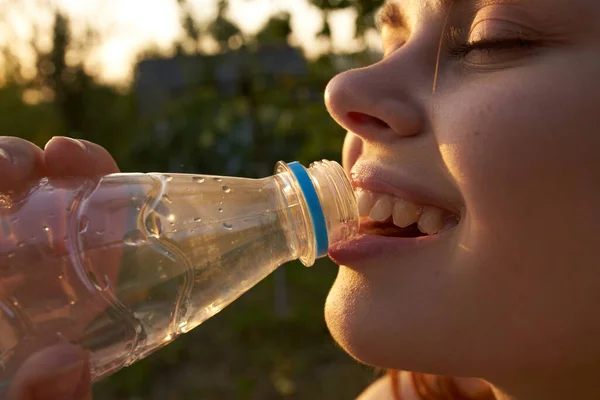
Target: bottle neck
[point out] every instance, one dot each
(327, 212)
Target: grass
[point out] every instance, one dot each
(247, 352)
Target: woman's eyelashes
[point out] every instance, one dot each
(489, 44)
(490, 50)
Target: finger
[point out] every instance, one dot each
(57, 372)
(20, 163)
(72, 157)
(66, 157)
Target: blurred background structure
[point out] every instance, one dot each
(224, 87)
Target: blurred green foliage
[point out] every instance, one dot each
(248, 351)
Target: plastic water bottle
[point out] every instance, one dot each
(124, 264)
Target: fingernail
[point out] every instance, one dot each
(77, 142)
(68, 139)
(5, 154)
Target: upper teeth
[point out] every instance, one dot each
(380, 207)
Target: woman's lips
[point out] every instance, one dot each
(410, 187)
(367, 248)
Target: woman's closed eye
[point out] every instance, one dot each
(491, 42)
(491, 50)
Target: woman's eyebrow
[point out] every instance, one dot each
(391, 14)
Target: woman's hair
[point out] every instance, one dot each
(443, 388)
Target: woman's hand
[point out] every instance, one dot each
(60, 371)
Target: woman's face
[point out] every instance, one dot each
(509, 141)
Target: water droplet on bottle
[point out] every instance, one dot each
(61, 277)
(192, 231)
(220, 210)
(84, 224)
(227, 226)
(47, 229)
(168, 178)
(134, 238)
(198, 219)
(15, 220)
(138, 208)
(163, 276)
(72, 302)
(221, 202)
(167, 199)
(171, 218)
(16, 303)
(100, 232)
(11, 254)
(217, 179)
(198, 179)
(168, 337)
(226, 189)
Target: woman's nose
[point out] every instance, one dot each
(373, 104)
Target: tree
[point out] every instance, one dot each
(190, 27)
(65, 83)
(365, 14)
(222, 29)
(277, 30)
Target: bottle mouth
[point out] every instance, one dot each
(330, 208)
(339, 201)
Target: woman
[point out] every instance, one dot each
(479, 126)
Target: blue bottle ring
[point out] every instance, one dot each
(314, 207)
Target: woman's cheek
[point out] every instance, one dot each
(490, 143)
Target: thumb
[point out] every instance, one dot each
(57, 372)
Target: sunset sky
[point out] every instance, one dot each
(127, 26)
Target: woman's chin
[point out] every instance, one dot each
(357, 326)
(372, 327)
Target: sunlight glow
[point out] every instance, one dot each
(127, 27)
